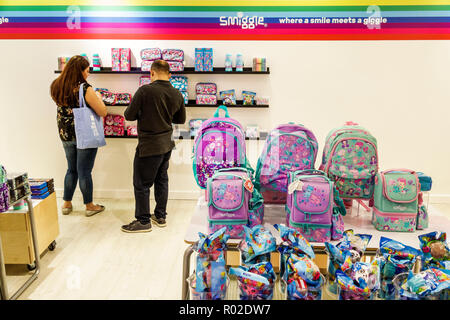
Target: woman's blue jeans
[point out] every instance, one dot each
(79, 168)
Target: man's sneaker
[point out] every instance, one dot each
(136, 226)
(160, 222)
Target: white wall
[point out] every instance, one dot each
(399, 90)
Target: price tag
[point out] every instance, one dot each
(248, 185)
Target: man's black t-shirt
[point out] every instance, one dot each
(156, 106)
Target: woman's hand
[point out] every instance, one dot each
(94, 99)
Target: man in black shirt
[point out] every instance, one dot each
(155, 106)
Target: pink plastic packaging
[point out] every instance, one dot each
(115, 59)
(173, 55)
(125, 59)
(206, 99)
(151, 54)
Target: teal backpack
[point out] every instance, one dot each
(350, 159)
(396, 200)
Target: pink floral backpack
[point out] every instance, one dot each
(288, 147)
(219, 143)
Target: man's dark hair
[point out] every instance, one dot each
(160, 66)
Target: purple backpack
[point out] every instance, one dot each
(310, 206)
(288, 147)
(219, 143)
(228, 195)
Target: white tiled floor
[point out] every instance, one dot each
(95, 260)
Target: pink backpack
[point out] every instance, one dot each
(288, 147)
(219, 143)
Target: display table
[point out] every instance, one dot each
(24, 235)
(360, 222)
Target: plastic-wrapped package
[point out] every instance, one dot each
(256, 282)
(210, 274)
(228, 97)
(248, 97)
(427, 284)
(435, 249)
(257, 245)
(295, 240)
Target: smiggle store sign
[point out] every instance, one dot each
(226, 20)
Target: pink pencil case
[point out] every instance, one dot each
(123, 98)
(132, 131)
(206, 88)
(151, 54)
(173, 55)
(206, 99)
(175, 66)
(108, 97)
(146, 65)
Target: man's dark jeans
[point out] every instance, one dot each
(149, 171)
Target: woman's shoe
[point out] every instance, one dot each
(90, 213)
(66, 211)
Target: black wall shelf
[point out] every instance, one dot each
(192, 104)
(187, 70)
(180, 138)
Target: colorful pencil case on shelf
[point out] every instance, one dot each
(151, 54)
(175, 66)
(173, 55)
(123, 98)
(114, 131)
(179, 83)
(132, 131)
(144, 80)
(206, 88)
(206, 99)
(146, 65)
(108, 97)
(228, 97)
(114, 120)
